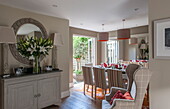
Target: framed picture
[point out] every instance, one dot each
(162, 39)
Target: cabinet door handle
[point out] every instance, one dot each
(39, 95)
(35, 96)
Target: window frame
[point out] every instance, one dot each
(114, 47)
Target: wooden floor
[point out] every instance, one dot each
(78, 100)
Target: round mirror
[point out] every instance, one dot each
(28, 30)
(23, 28)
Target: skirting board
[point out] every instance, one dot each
(65, 94)
(71, 85)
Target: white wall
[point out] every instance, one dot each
(52, 24)
(160, 81)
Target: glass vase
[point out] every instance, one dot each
(36, 65)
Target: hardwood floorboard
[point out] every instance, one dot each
(78, 100)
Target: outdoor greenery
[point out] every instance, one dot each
(80, 47)
(78, 72)
(77, 56)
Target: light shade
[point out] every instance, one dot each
(57, 39)
(133, 41)
(103, 36)
(123, 34)
(143, 46)
(7, 35)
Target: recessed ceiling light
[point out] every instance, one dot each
(55, 6)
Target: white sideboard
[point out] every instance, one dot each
(30, 91)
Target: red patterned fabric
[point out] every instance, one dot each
(128, 96)
(118, 95)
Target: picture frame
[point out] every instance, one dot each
(162, 38)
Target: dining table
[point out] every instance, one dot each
(124, 74)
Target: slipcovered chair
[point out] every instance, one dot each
(88, 78)
(89, 64)
(141, 80)
(115, 78)
(100, 79)
(131, 68)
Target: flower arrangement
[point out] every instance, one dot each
(33, 48)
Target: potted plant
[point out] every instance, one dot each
(77, 57)
(78, 75)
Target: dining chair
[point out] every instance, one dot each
(89, 64)
(100, 79)
(88, 78)
(114, 78)
(131, 68)
(140, 82)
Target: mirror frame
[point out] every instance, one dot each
(16, 27)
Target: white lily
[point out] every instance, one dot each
(42, 49)
(29, 49)
(31, 57)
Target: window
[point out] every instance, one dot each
(112, 51)
(91, 50)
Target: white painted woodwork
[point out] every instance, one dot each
(47, 89)
(30, 92)
(21, 96)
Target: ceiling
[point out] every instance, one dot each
(90, 14)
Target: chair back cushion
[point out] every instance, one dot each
(118, 95)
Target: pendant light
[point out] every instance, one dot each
(123, 34)
(103, 36)
(133, 41)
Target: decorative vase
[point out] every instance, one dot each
(36, 68)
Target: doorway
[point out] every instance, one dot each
(84, 52)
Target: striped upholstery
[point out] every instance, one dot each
(114, 78)
(100, 78)
(87, 75)
(141, 80)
